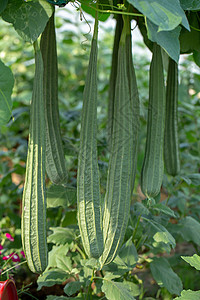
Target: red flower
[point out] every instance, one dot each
(15, 257)
(9, 237)
(22, 253)
(1, 247)
(6, 257)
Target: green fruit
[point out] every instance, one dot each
(55, 159)
(171, 146)
(88, 181)
(153, 165)
(34, 200)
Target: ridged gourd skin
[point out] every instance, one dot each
(89, 211)
(121, 169)
(113, 75)
(153, 164)
(55, 159)
(135, 108)
(33, 227)
(171, 144)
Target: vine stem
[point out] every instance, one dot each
(89, 287)
(80, 251)
(136, 227)
(108, 11)
(13, 267)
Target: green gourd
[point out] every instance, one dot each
(113, 75)
(121, 164)
(88, 182)
(153, 164)
(33, 227)
(135, 104)
(55, 159)
(171, 145)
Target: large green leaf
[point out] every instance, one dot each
(57, 251)
(51, 277)
(28, 18)
(116, 290)
(58, 195)
(61, 236)
(128, 253)
(189, 295)
(194, 260)
(72, 287)
(64, 263)
(6, 86)
(165, 276)
(90, 8)
(190, 4)
(160, 207)
(167, 15)
(3, 5)
(190, 230)
(168, 40)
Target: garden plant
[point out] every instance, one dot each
(99, 149)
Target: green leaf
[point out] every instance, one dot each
(128, 253)
(3, 5)
(190, 4)
(190, 41)
(133, 287)
(196, 57)
(190, 230)
(58, 195)
(194, 260)
(57, 251)
(72, 287)
(195, 179)
(164, 237)
(51, 277)
(50, 297)
(116, 290)
(117, 268)
(160, 207)
(160, 233)
(28, 18)
(189, 295)
(167, 15)
(61, 236)
(6, 86)
(64, 263)
(165, 276)
(70, 218)
(168, 40)
(89, 7)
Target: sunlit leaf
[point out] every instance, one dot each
(116, 290)
(167, 15)
(194, 260)
(189, 295)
